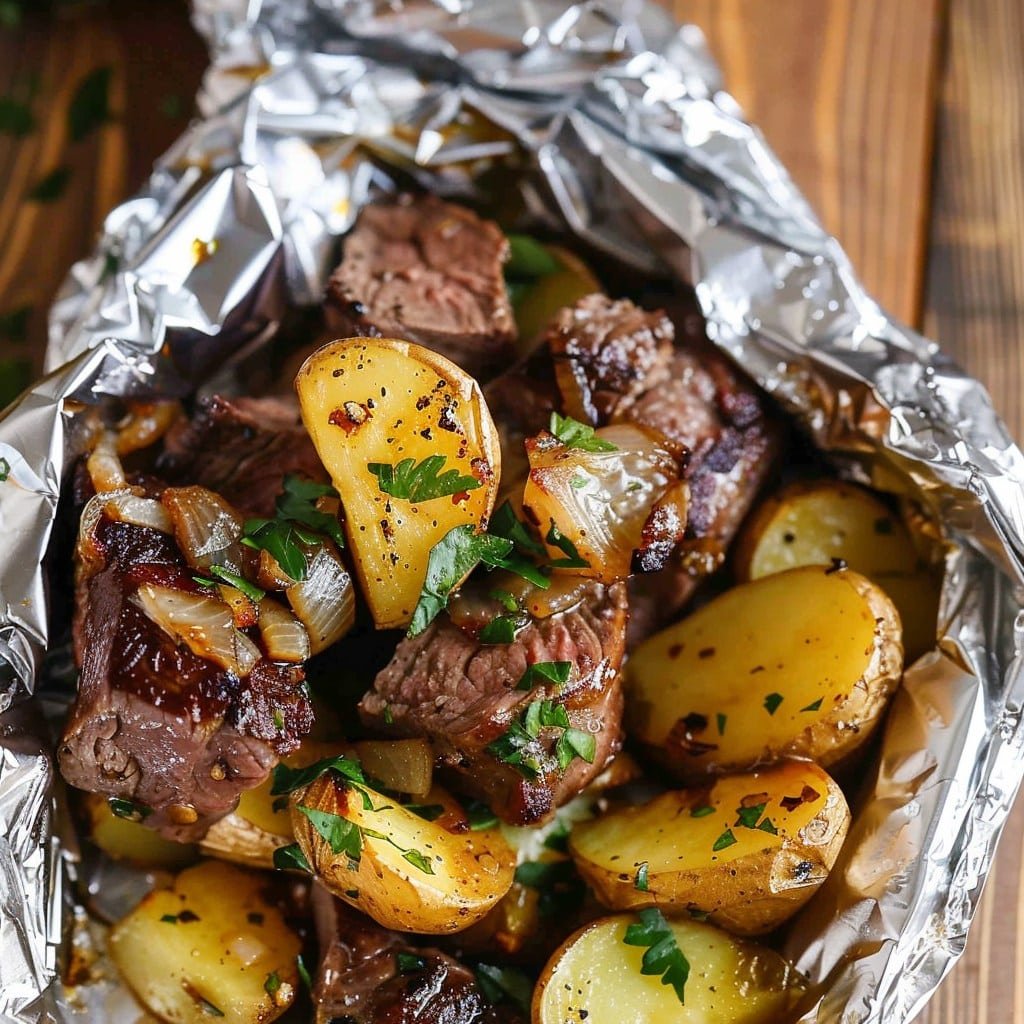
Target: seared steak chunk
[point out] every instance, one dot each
(429, 272)
(368, 975)
(241, 448)
(155, 723)
(462, 695)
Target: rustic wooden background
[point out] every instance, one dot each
(902, 120)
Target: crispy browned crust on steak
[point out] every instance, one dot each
(359, 981)
(426, 271)
(461, 694)
(153, 723)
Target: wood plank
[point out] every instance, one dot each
(975, 308)
(843, 90)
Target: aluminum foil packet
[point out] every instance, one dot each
(612, 125)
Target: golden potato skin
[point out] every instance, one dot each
(712, 851)
(595, 977)
(454, 877)
(813, 522)
(381, 400)
(796, 664)
(206, 949)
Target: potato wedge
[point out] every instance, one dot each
(595, 977)
(125, 839)
(800, 663)
(814, 522)
(406, 872)
(749, 852)
(212, 946)
(377, 402)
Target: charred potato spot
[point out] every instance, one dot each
(748, 852)
(800, 663)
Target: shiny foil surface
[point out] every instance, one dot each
(610, 123)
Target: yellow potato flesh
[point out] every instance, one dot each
(215, 961)
(730, 982)
(375, 400)
(411, 874)
(543, 298)
(124, 839)
(767, 837)
(751, 670)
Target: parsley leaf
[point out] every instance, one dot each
(574, 434)
(528, 258)
(342, 835)
(748, 817)
(251, 591)
(542, 673)
(409, 962)
(702, 812)
(557, 539)
(768, 826)
(480, 816)
(725, 840)
(502, 629)
(518, 745)
(813, 706)
(505, 984)
(303, 970)
(557, 881)
(772, 702)
(640, 881)
(428, 812)
(272, 984)
(721, 720)
(416, 482)
(280, 540)
(90, 105)
(418, 860)
(662, 957)
(128, 809)
(287, 780)
(291, 857)
(575, 743)
(505, 523)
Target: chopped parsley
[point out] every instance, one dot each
(251, 591)
(560, 889)
(558, 838)
(528, 258)
(292, 857)
(662, 957)
(502, 629)
(575, 743)
(420, 481)
(185, 917)
(724, 841)
(813, 706)
(702, 812)
(272, 985)
(505, 985)
(5, 470)
(407, 963)
(640, 881)
(428, 812)
(721, 720)
(504, 598)
(480, 816)
(287, 780)
(505, 523)
(573, 560)
(300, 966)
(772, 702)
(128, 809)
(208, 1008)
(574, 434)
(545, 673)
(416, 859)
(343, 836)
(768, 826)
(519, 745)
(748, 817)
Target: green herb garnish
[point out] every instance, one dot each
(558, 883)
(128, 809)
(748, 817)
(292, 857)
(662, 958)
(725, 840)
(772, 702)
(545, 673)
(90, 105)
(251, 591)
(420, 481)
(519, 745)
(300, 966)
(557, 539)
(813, 706)
(480, 816)
(505, 523)
(272, 985)
(407, 963)
(287, 780)
(342, 835)
(574, 434)
(721, 720)
(428, 812)
(51, 186)
(505, 985)
(640, 881)
(502, 629)
(768, 826)
(702, 812)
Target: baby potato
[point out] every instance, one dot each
(125, 839)
(815, 522)
(796, 664)
(749, 852)
(406, 872)
(377, 409)
(212, 946)
(596, 977)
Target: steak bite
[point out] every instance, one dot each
(369, 975)
(464, 696)
(178, 734)
(241, 448)
(427, 271)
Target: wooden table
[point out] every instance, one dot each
(902, 120)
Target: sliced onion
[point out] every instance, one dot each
(270, 575)
(145, 424)
(201, 622)
(664, 529)
(284, 637)
(104, 467)
(208, 529)
(130, 508)
(406, 766)
(599, 501)
(243, 611)
(325, 601)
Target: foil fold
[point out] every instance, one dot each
(610, 123)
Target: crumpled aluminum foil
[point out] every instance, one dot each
(614, 126)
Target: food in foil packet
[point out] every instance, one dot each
(529, 628)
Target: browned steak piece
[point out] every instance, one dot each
(688, 392)
(241, 448)
(430, 272)
(361, 981)
(154, 723)
(461, 694)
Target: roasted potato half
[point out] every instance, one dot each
(797, 664)
(125, 839)
(815, 522)
(749, 852)
(412, 451)
(596, 977)
(407, 872)
(212, 946)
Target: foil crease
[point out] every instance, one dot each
(615, 127)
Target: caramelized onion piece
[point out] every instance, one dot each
(104, 467)
(269, 574)
(284, 637)
(243, 611)
(325, 601)
(130, 508)
(201, 622)
(145, 424)
(208, 530)
(600, 502)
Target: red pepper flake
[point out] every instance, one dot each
(675, 650)
(350, 416)
(706, 652)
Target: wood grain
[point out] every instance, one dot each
(844, 92)
(975, 308)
